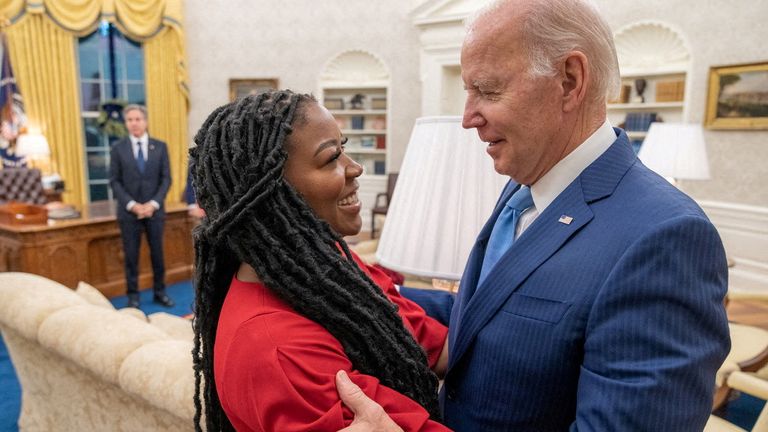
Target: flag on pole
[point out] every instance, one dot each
(13, 121)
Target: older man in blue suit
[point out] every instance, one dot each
(140, 176)
(593, 297)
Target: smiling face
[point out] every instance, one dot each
(517, 114)
(321, 172)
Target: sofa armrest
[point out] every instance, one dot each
(162, 373)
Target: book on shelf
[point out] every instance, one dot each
(639, 121)
(353, 143)
(358, 122)
(378, 102)
(379, 167)
(381, 142)
(379, 123)
(367, 142)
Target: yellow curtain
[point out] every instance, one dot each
(9, 10)
(42, 42)
(165, 79)
(43, 58)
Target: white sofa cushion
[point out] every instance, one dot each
(26, 300)
(92, 295)
(75, 331)
(174, 326)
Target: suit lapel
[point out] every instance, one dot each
(151, 155)
(126, 148)
(546, 235)
(542, 239)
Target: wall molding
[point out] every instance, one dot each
(744, 230)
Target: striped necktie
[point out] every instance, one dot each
(503, 234)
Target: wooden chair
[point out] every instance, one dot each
(749, 353)
(379, 207)
(746, 383)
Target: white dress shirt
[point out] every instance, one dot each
(554, 182)
(144, 142)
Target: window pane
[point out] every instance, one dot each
(98, 165)
(99, 192)
(93, 136)
(91, 96)
(119, 64)
(89, 64)
(134, 61)
(136, 94)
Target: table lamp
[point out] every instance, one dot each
(446, 190)
(34, 148)
(676, 151)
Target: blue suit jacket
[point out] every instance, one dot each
(129, 184)
(612, 322)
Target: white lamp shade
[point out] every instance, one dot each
(676, 150)
(445, 192)
(32, 145)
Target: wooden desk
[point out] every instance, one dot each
(89, 249)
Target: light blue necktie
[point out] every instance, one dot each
(503, 234)
(140, 159)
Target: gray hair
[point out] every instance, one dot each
(553, 28)
(135, 107)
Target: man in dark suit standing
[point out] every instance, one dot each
(140, 176)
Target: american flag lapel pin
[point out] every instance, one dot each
(565, 219)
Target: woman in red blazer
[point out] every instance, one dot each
(282, 304)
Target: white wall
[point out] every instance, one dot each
(292, 41)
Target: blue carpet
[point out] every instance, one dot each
(10, 392)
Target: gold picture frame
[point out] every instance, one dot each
(244, 87)
(738, 97)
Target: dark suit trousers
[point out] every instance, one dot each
(131, 230)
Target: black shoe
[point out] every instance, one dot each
(133, 302)
(164, 300)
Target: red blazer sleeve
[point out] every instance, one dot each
(427, 331)
(280, 376)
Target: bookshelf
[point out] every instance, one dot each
(664, 100)
(361, 112)
(656, 54)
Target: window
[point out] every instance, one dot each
(111, 68)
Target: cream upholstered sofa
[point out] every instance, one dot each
(84, 366)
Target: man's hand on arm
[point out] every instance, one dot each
(369, 416)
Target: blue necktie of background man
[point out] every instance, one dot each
(503, 233)
(140, 159)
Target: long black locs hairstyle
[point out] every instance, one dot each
(254, 216)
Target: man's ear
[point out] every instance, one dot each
(575, 80)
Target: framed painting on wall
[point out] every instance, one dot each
(738, 97)
(244, 87)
